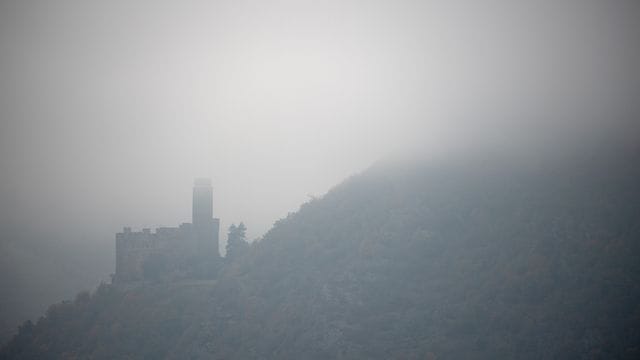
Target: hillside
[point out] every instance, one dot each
(468, 259)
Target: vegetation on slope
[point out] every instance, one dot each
(467, 260)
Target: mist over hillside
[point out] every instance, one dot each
(489, 149)
(474, 258)
(37, 274)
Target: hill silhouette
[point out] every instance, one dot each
(467, 259)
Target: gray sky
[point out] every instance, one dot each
(110, 109)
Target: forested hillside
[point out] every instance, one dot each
(467, 259)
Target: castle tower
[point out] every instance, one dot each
(206, 227)
(202, 201)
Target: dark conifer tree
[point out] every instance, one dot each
(236, 242)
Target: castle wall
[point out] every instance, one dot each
(207, 238)
(177, 246)
(132, 248)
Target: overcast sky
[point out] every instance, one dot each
(110, 109)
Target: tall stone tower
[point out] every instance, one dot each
(205, 226)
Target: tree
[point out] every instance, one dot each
(236, 242)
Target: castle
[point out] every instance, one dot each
(186, 251)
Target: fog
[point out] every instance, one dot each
(109, 110)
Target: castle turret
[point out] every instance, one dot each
(202, 201)
(206, 227)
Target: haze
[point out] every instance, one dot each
(109, 110)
